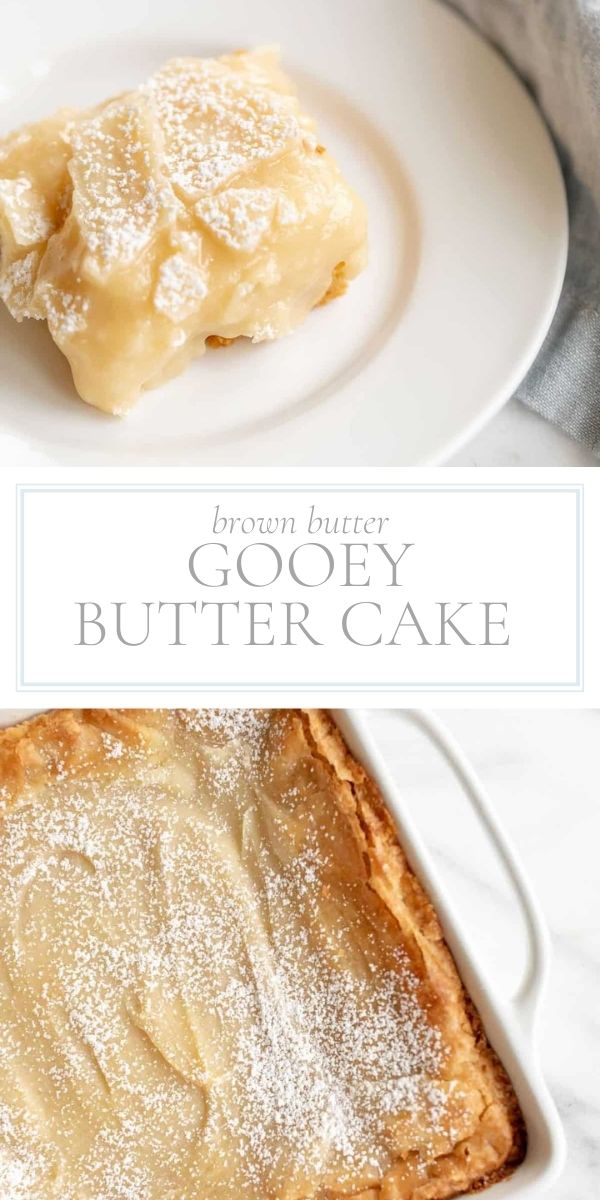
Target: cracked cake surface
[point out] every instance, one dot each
(199, 206)
(220, 979)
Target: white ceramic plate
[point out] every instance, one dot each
(468, 238)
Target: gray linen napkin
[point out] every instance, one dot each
(555, 47)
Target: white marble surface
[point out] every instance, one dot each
(541, 769)
(517, 437)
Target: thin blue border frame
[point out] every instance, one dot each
(22, 490)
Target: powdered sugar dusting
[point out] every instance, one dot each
(66, 314)
(240, 217)
(180, 289)
(24, 1161)
(217, 125)
(116, 175)
(197, 206)
(25, 211)
(17, 282)
(218, 1010)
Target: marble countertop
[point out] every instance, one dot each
(517, 437)
(541, 769)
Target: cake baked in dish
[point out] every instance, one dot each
(220, 979)
(197, 209)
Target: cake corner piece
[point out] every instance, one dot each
(199, 208)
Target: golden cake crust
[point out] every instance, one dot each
(481, 1139)
(498, 1145)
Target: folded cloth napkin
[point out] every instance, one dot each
(555, 47)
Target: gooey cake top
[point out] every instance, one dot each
(199, 205)
(219, 978)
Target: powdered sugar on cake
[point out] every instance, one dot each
(180, 287)
(239, 217)
(197, 206)
(17, 282)
(216, 1012)
(216, 125)
(115, 172)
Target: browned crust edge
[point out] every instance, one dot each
(327, 742)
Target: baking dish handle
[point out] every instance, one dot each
(529, 994)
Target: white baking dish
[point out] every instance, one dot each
(511, 1024)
